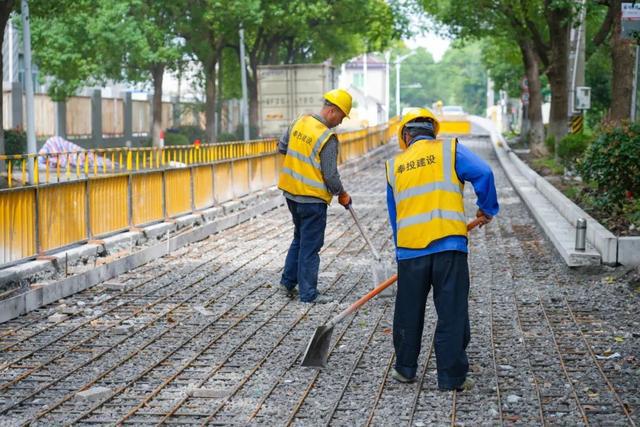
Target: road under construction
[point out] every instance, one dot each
(204, 334)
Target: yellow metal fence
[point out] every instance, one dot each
(93, 194)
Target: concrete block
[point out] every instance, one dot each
(231, 206)
(94, 393)
(159, 230)
(125, 239)
(117, 286)
(57, 317)
(212, 213)
(188, 220)
(85, 251)
(629, 250)
(210, 393)
(123, 329)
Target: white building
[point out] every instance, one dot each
(365, 77)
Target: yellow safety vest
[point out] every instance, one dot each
(301, 174)
(427, 192)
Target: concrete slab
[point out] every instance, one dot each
(188, 220)
(126, 239)
(629, 250)
(560, 232)
(159, 230)
(94, 393)
(212, 213)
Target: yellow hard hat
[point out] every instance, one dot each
(439, 103)
(411, 115)
(341, 99)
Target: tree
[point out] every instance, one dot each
(622, 60)
(505, 21)
(86, 42)
(6, 6)
(299, 31)
(207, 26)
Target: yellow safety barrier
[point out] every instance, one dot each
(177, 191)
(62, 218)
(109, 194)
(17, 225)
(240, 177)
(203, 186)
(82, 195)
(146, 198)
(454, 125)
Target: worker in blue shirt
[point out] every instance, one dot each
(426, 213)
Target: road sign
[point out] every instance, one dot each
(582, 100)
(630, 20)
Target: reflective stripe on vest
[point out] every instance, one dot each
(427, 192)
(301, 173)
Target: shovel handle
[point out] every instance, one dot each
(381, 287)
(364, 235)
(356, 305)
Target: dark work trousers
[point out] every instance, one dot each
(303, 260)
(448, 274)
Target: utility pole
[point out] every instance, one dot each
(387, 58)
(399, 60)
(243, 76)
(365, 84)
(577, 55)
(28, 79)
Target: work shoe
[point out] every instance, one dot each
(320, 299)
(290, 293)
(399, 377)
(467, 385)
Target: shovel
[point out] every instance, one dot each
(378, 269)
(317, 352)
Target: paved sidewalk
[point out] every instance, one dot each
(205, 335)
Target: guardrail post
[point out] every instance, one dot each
(127, 120)
(96, 118)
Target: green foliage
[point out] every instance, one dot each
(548, 163)
(458, 79)
(598, 75)
(189, 132)
(87, 42)
(550, 143)
(611, 163)
(503, 60)
(571, 148)
(227, 137)
(15, 141)
(174, 138)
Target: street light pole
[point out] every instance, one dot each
(399, 60)
(387, 57)
(28, 79)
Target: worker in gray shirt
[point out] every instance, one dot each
(309, 179)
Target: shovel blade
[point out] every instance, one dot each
(318, 348)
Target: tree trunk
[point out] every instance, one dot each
(157, 74)
(252, 86)
(558, 71)
(534, 109)
(210, 101)
(622, 61)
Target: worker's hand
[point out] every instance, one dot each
(344, 199)
(485, 219)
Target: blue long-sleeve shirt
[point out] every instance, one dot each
(471, 168)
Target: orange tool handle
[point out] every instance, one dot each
(381, 287)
